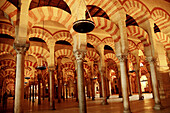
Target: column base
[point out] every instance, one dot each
(158, 107)
(127, 111)
(141, 98)
(105, 102)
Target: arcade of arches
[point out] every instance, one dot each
(128, 51)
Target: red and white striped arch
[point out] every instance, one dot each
(9, 9)
(108, 26)
(64, 53)
(93, 40)
(92, 56)
(7, 29)
(137, 10)
(30, 64)
(132, 58)
(39, 52)
(63, 35)
(7, 73)
(164, 39)
(111, 7)
(109, 41)
(87, 68)
(132, 45)
(68, 65)
(39, 14)
(111, 56)
(8, 63)
(161, 18)
(40, 33)
(7, 48)
(138, 33)
(140, 46)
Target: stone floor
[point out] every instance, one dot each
(70, 106)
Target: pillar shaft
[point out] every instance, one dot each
(154, 83)
(59, 90)
(124, 84)
(19, 86)
(139, 85)
(103, 87)
(52, 100)
(80, 79)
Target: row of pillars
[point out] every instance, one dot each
(19, 87)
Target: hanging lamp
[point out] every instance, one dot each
(42, 67)
(83, 25)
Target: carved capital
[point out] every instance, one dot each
(21, 48)
(79, 55)
(151, 59)
(122, 58)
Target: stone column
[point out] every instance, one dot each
(39, 89)
(120, 87)
(124, 85)
(19, 86)
(139, 85)
(158, 105)
(33, 93)
(102, 70)
(52, 100)
(100, 88)
(80, 79)
(130, 86)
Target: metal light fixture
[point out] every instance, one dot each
(83, 25)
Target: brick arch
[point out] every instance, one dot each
(64, 52)
(39, 14)
(92, 56)
(39, 52)
(111, 7)
(38, 32)
(163, 38)
(7, 48)
(132, 45)
(161, 18)
(108, 26)
(29, 63)
(93, 40)
(138, 33)
(68, 65)
(7, 29)
(140, 46)
(8, 63)
(87, 68)
(132, 58)
(137, 10)
(9, 9)
(63, 35)
(111, 56)
(6, 73)
(109, 41)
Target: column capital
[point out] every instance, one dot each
(122, 58)
(79, 54)
(21, 48)
(151, 59)
(51, 68)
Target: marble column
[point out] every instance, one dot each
(52, 100)
(124, 85)
(33, 87)
(80, 79)
(104, 102)
(39, 89)
(130, 86)
(100, 88)
(139, 85)
(120, 87)
(19, 86)
(154, 80)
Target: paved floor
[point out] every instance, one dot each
(70, 106)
